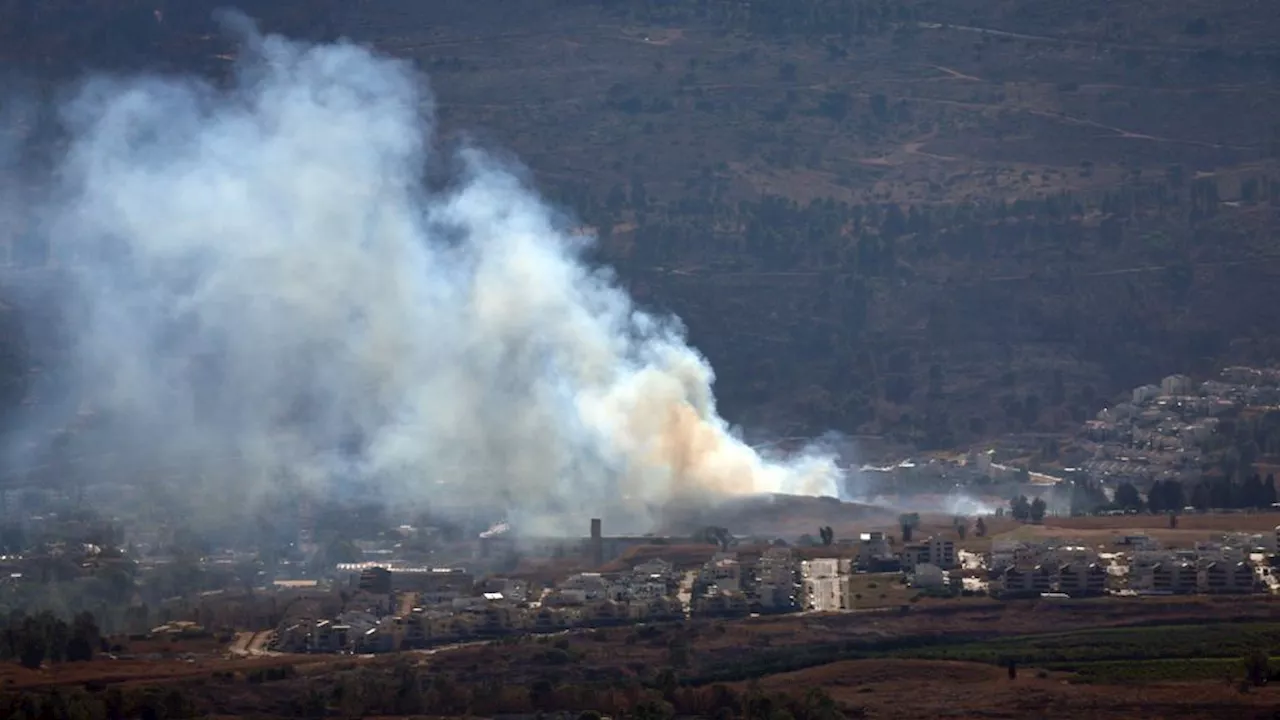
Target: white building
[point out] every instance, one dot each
(1144, 394)
(828, 594)
(723, 572)
(1177, 385)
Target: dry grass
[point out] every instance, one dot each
(912, 689)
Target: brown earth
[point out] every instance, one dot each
(912, 689)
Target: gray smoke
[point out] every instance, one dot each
(273, 298)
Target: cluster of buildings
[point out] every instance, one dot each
(1162, 431)
(399, 608)
(1234, 563)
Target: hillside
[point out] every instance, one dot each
(932, 221)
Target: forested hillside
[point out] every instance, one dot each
(929, 220)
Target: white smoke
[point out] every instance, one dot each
(274, 296)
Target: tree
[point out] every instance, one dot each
(908, 522)
(31, 650)
(1020, 508)
(827, 535)
(1200, 497)
(1127, 496)
(1257, 668)
(1155, 498)
(1037, 510)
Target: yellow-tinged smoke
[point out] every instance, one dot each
(270, 279)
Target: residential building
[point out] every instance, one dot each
(913, 555)
(827, 594)
(1174, 577)
(1144, 394)
(725, 573)
(942, 552)
(1230, 578)
(1177, 385)
(1042, 578)
(872, 548)
(1077, 579)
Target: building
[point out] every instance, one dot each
(436, 585)
(1177, 385)
(724, 572)
(375, 580)
(1144, 394)
(828, 594)
(1220, 577)
(1079, 579)
(873, 548)
(776, 586)
(913, 555)
(1174, 577)
(942, 552)
(1016, 580)
(1042, 578)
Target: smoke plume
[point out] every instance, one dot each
(272, 296)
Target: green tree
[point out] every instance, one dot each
(1020, 508)
(1257, 668)
(1127, 496)
(1037, 510)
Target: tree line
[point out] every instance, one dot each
(32, 640)
(1164, 496)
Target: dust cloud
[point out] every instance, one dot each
(271, 295)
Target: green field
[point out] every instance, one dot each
(1223, 640)
(1122, 655)
(1111, 656)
